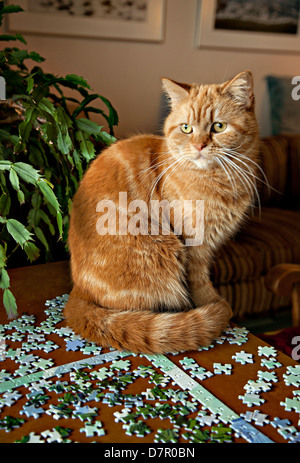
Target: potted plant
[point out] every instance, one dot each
(45, 147)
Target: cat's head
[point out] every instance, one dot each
(208, 121)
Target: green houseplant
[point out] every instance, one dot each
(45, 148)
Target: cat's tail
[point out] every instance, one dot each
(144, 331)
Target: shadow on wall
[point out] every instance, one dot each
(164, 111)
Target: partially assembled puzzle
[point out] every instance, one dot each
(172, 389)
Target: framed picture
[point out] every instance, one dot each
(268, 25)
(141, 20)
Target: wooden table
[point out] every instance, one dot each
(33, 285)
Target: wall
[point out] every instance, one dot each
(128, 73)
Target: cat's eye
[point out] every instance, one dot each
(186, 128)
(218, 127)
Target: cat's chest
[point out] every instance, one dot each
(218, 198)
(210, 206)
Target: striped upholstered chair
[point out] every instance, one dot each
(240, 268)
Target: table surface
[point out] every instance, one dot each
(170, 390)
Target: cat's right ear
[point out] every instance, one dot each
(176, 91)
(241, 89)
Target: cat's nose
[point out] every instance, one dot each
(199, 146)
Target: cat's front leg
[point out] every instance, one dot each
(200, 286)
(203, 293)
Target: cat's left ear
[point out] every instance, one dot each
(241, 89)
(176, 91)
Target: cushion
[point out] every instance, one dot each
(264, 242)
(285, 111)
(251, 298)
(274, 161)
(239, 270)
(280, 161)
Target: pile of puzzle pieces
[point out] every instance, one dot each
(175, 394)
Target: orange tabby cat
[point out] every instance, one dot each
(151, 293)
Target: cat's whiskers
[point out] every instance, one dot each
(180, 162)
(226, 170)
(237, 156)
(265, 180)
(154, 166)
(245, 176)
(157, 180)
(233, 167)
(160, 176)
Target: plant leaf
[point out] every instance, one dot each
(5, 165)
(62, 117)
(40, 234)
(64, 142)
(113, 115)
(31, 250)
(77, 80)
(47, 220)
(10, 137)
(18, 231)
(78, 163)
(3, 257)
(4, 279)
(85, 102)
(30, 83)
(18, 56)
(5, 203)
(8, 37)
(107, 138)
(25, 127)
(36, 200)
(14, 179)
(36, 57)
(48, 194)
(21, 197)
(46, 106)
(10, 304)
(88, 126)
(28, 173)
(11, 9)
(59, 223)
(86, 146)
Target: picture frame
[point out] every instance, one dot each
(51, 23)
(208, 36)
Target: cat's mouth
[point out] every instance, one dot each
(199, 156)
(200, 160)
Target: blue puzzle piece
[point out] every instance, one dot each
(249, 433)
